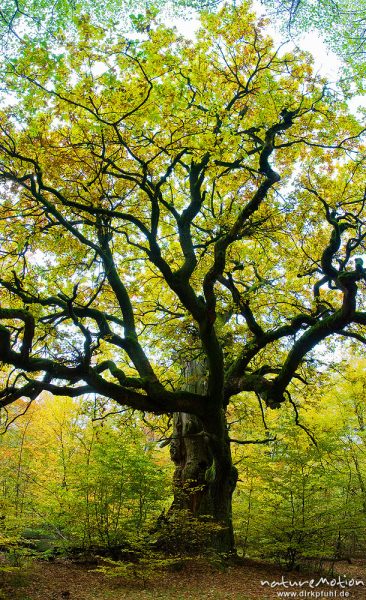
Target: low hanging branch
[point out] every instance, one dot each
(244, 442)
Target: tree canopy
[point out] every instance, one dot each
(158, 190)
(341, 24)
(40, 20)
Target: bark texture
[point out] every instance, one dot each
(204, 478)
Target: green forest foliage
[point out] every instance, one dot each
(300, 501)
(78, 482)
(68, 481)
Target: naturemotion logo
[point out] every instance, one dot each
(339, 587)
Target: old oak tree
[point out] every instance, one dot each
(179, 222)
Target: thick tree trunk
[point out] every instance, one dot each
(204, 478)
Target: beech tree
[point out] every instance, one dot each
(178, 225)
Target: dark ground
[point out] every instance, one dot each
(63, 580)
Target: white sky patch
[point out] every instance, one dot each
(356, 104)
(98, 68)
(187, 27)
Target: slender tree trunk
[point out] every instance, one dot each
(204, 478)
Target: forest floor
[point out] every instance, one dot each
(63, 580)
